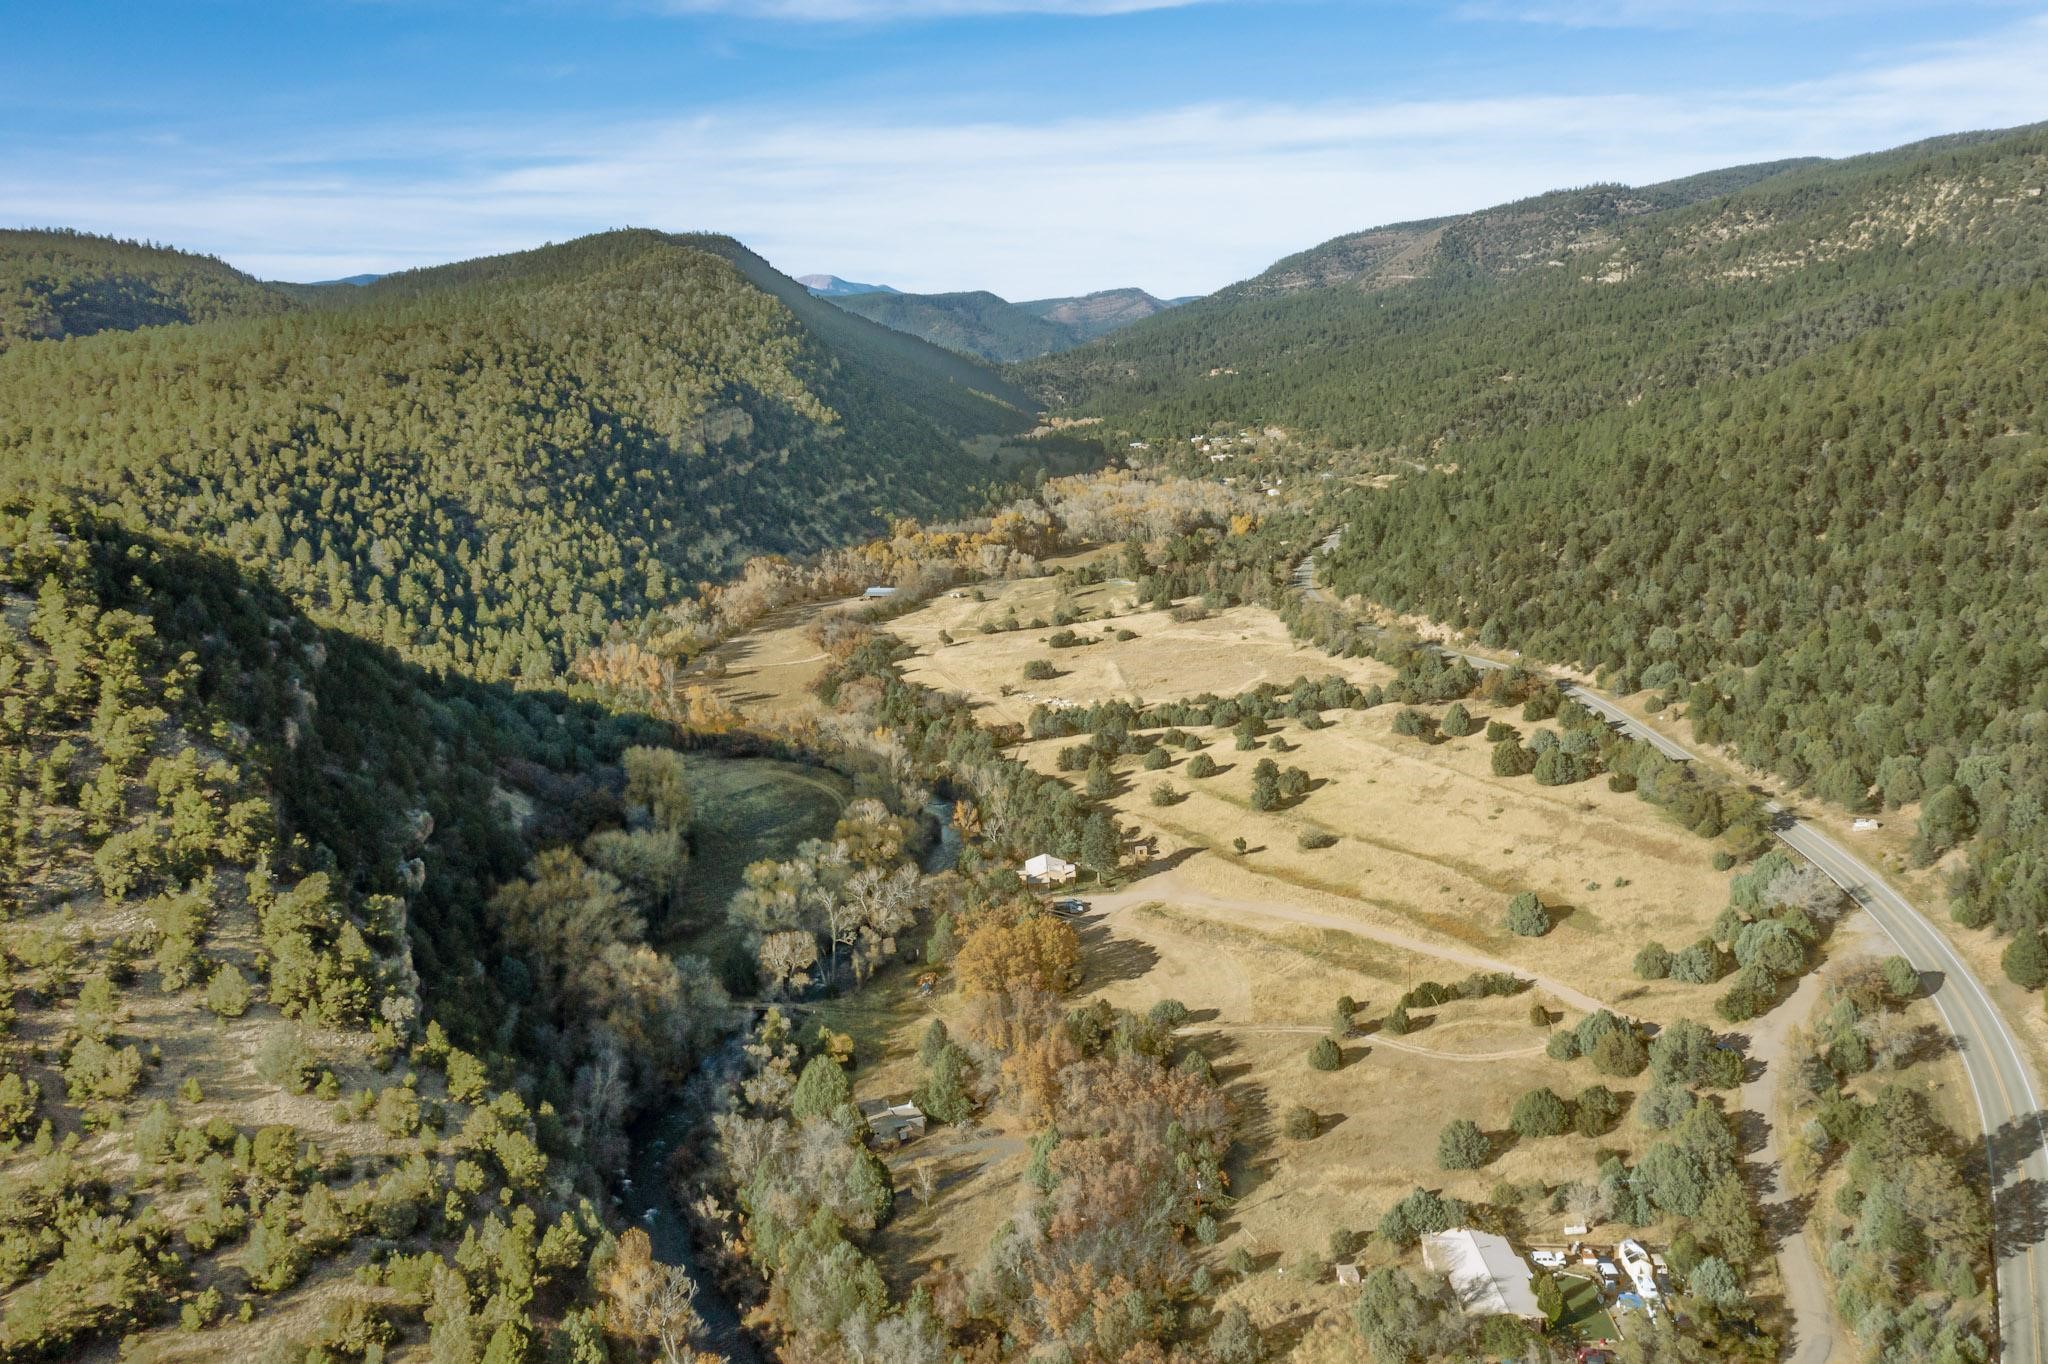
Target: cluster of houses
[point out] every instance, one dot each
(1491, 1278)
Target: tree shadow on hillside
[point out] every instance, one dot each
(1111, 959)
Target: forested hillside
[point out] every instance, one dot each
(1776, 453)
(56, 283)
(259, 1010)
(981, 324)
(975, 323)
(1098, 314)
(478, 466)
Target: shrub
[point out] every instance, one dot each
(1458, 721)
(1498, 731)
(1510, 759)
(1653, 962)
(1900, 979)
(1302, 1123)
(1396, 1023)
(1563, 1046)
(398, 1111)
(1040, 670)
(1596, 1110)
(1620, 1053)
(1166, 793)
(1540, 1113)
(2026, 960)
(1168, 1013)
(1415, 724)
(1308, 840)
(227, 994)
(944, 1093)
(1699, 964)
(1527, 918)
(285, 1060)
(820, 1090)
(1325, 1054)
(1664, 1106)
(1462, 1146)
(274, 1259)
(1201, 765)
(1156, 760)
(1265, 785)
(1723, 860)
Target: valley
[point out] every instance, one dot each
(604, 803)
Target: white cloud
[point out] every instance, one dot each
(1178, 200)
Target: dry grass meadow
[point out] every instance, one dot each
(1429, 847)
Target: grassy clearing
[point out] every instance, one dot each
(745, 809)
(1226, 653)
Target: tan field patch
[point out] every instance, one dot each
(1225, 653)
(1261, 1004)
(766, 673)
(1430, 842)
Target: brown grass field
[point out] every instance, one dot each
(1430, 846)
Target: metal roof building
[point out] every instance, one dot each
(1486, 1274)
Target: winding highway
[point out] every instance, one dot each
(2002, 1081)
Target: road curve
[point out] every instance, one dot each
(2003, 1082)
(2007, 1099)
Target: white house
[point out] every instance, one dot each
(1047, 870)
(1486, 1274)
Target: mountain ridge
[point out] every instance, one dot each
(989, 327)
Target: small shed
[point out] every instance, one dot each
(1348, 1275)
(1047, 870)
(893, 1123)
(877, 592)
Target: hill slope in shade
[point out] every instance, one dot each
(977, 323)
(57, 283)
(481, 465)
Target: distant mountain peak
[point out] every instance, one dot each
(831, 286)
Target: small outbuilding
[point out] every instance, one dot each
(1047, 870)
(893, 1123)
(1348, 1275)
(875, 593)
(1486, 1274)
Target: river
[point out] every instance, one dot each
(648, 1197)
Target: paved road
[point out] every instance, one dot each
(2007, 1097)
(2004, 1085)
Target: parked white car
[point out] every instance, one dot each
(1547, 1259)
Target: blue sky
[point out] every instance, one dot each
(1032, 147)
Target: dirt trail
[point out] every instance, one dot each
(1168, 888)
(1369, 1040)
(1783, 1216)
